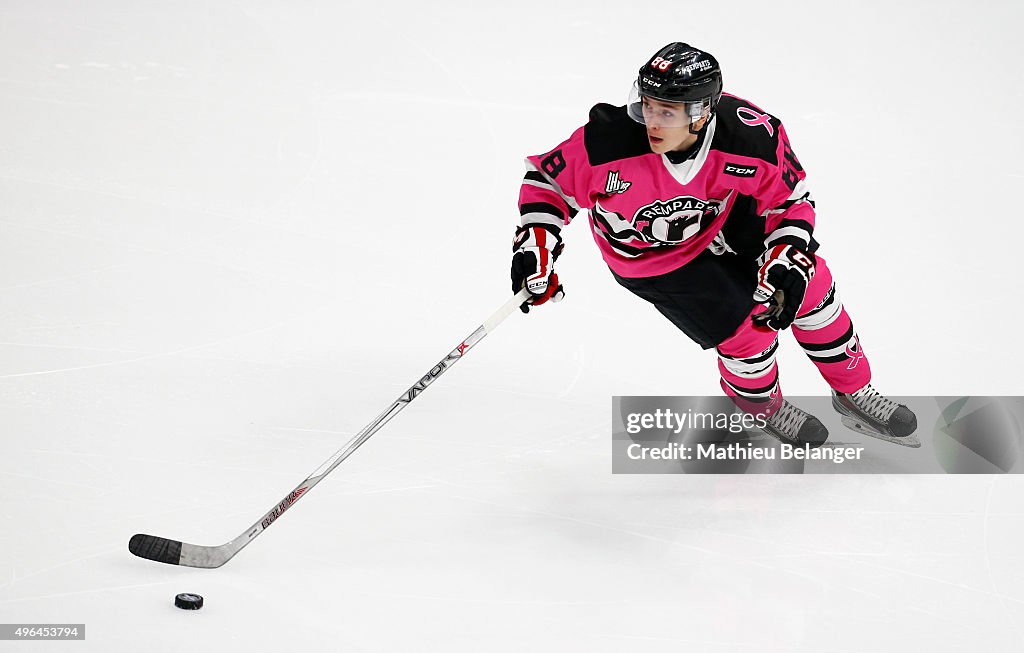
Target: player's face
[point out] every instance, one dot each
(668, 126)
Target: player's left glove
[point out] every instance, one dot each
(785, 272)
(534, 252)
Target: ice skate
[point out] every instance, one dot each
(797, 427)
(869, 412)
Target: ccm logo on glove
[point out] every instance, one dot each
(535, 249)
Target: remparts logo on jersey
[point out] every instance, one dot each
(674, 220)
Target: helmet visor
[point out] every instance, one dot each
(652, 112)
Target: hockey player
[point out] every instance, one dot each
(700, 207)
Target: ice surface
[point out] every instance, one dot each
(232, 233)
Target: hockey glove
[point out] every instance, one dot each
(781, 284)
(534, 252)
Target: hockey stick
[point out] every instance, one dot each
(174, 552)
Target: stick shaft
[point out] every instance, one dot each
(174, 552)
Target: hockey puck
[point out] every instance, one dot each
(188, 601)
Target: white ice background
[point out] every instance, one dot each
(232, 232)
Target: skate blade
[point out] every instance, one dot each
(908, 441)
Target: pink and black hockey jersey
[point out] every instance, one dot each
(741, 189)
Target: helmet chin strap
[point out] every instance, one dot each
(692, 148)
(707, 121)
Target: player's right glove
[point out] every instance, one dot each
(534, 252)
(785, 272)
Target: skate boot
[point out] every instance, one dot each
(869, 412)
(793, 426)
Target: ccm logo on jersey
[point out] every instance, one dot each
(739, 171)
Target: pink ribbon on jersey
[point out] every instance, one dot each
(754, 119)
(854, 352)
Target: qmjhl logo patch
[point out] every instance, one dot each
(616, 185)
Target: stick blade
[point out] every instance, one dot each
(155, 548)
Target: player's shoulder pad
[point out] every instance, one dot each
(611, 135)
(745, 129)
